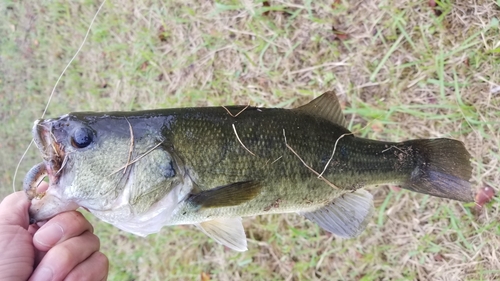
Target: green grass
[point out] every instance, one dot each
(402, 73)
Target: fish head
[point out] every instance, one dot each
(100, 163)
(59, 140)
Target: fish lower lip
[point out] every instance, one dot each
(39, 198)
(33, 178)
(49, 206)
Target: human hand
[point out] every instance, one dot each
(64, 248)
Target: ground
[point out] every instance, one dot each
(402, 70)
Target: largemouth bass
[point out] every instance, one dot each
(211, 166)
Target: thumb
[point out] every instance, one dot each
(14, 210)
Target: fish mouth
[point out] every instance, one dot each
(53, 158)
(46, 203)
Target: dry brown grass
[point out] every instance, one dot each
(402, 73)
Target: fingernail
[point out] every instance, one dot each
(49, 234)
(43, 273)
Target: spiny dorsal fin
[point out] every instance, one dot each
(225, 196)
(228, 232)
(326, 106)
(347, 216)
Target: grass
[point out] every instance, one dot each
(402, 72)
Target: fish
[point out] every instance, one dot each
(211, 166)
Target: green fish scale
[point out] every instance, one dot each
(218, 149)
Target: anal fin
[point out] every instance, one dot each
(347, 216)
(228, 232)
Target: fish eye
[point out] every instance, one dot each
(82, 137)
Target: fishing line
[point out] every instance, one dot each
(73, 58)
(55, 86)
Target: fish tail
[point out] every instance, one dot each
(442, 169)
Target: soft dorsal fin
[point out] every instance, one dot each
(228, 232)
(326, 106)
(347, 216)
(225, 196)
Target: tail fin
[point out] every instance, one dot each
(442, 169)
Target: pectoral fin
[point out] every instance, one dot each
(228, 232)
(225, 196)
(347, 216)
